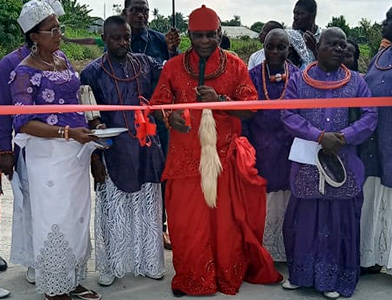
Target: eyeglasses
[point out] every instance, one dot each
(55, 31)
(138, 10)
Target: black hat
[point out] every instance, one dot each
(331, 170)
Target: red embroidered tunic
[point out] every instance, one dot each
(214, 249)
(177, 86)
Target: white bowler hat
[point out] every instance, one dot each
(35, 11)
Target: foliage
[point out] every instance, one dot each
(163, 24)
(257, 26)
(236, 21)
(341, 23)
(78, 52)
(160, 23)
(76, 15)
(181, 23)
(10, 32)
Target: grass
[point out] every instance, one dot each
(77, 52)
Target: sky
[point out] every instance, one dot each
(252, 11)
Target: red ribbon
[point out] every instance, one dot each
(187, 117)
(232, 105)
(144, 127)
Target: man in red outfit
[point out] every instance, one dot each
(214, 198)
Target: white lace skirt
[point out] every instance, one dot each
(60, 200)
(128, 231)
(273, 235)
(376, 225)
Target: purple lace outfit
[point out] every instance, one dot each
(268, 136)
(7, 64)
(321, 232)
(30, 86)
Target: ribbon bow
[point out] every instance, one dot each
(143, 125)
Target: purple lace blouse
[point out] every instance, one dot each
(30, 86)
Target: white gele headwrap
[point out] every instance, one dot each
(57, 6)
(33, 13)
(210, 166)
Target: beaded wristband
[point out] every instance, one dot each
(166, 118)
(6, 152)
(320, 138)
(61, 131)
(66, 133)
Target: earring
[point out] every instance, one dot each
(34, 48)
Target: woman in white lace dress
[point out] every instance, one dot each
(56, 156)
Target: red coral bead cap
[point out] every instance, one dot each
(203, 19)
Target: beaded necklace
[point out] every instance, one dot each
(326, 85)
(376, 63)
(286, 73)
(117, 79)
(219, 71)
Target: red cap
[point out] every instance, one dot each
(203, 19)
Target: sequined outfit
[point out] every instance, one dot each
(321, 232)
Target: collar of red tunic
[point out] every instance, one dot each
(212, 62)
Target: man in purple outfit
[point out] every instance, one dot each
(321, 229)
(268, 136)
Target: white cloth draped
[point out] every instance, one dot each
(128, 231)
(273, 235)
(376, 225)
(57, 206)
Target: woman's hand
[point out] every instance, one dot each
(81, 135)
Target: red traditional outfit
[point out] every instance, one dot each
(214, 249)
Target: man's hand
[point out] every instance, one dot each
(207, 93)
(172, 39)
(332, 142)
(98, 171)
(177, 121)
(7, 164)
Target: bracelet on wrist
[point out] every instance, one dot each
(66, 133)
(166, 118)
(61, 132)
(6, 152)
(320, 138)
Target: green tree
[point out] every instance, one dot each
(160, 23)
(76, 15)
(374, 38)
(10, 32)
(236, 21)
(341, 23)
(117, 9)
(155, 13)
(181, 23)
(257, 26)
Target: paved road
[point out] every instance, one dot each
(370, 287)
